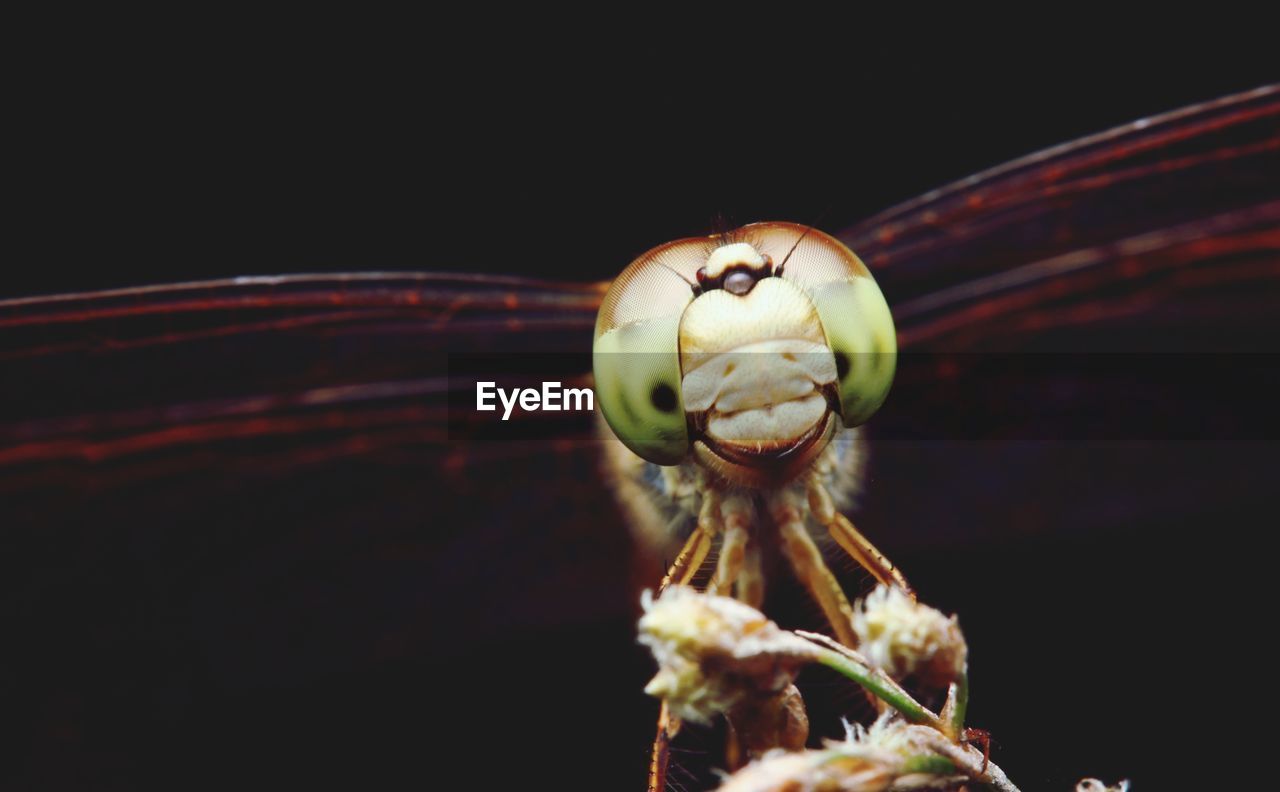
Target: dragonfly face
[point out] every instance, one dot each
(707, 348)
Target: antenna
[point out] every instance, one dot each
(777, 273)
(696, 288)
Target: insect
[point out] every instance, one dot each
(267, 483)
(737, 383)
(732, 360)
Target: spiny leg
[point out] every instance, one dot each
(696, 546)
(751, 579)
(735, 514)
(866, 554)
(661, 754)
(812, 571)
(681, 572)
(807, 561)
(762, 720)
(852, 540)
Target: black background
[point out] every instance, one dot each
(287, 149)
(284, 147)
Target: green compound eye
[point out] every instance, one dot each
(855, 317)
(636, 354)
(859, 329)
(639, 388)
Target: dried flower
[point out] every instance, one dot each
(890, 754)
(906, 638)
(712, 651)
(718, 656)
(1094, 785)
(889, 732)
(811, 771)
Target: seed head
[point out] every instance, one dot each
(889, 754)
(712, 650)
(905, 637)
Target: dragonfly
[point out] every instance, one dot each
(290, 469)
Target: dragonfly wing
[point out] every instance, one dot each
(215, 440)
(1079, 456)
(1168, 220)
(1083, 331)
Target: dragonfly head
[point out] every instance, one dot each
(705, 347)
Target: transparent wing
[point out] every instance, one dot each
(106, 376)
(1079, 453)
(253, 488)
(1092, 319)
(256, 430)
(1169, 220)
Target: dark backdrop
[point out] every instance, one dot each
(284, 148)
(290, 150)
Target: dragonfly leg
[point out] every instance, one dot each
(762, 720)
(852, 540)
(661, 751)
(809, 567)
(735, 514)
(696, 546)
(751, 580)
(682, 570)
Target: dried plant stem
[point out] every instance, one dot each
(968, 760)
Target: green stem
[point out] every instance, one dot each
(881, 686)
(929, 763)
(961, 706)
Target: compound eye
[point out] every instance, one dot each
(855, 317)
(636, 353)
